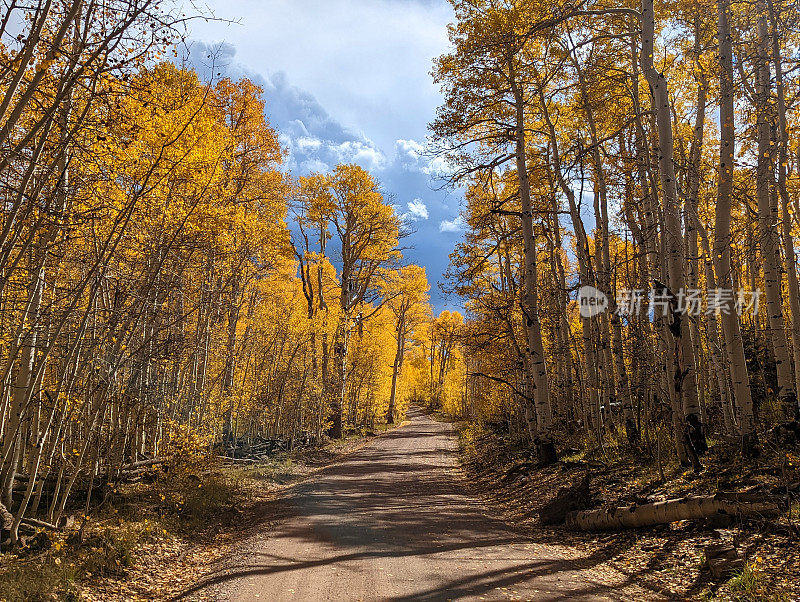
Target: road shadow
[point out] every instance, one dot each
(401, 497)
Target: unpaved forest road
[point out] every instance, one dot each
(392, 522)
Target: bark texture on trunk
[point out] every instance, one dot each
(786, 230)
(685, 376)
(669, 511)
(737, 366)
(768, 218)
(530, 300)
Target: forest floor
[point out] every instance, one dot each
(668, 559)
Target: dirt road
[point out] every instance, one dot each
(393, 522)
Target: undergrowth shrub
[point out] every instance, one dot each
(39, 582)
(104, 552)
(110, 551)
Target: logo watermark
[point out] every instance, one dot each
(592, 301)
(632, 302)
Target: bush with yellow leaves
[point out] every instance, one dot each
(184, 449)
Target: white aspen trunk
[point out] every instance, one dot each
(592, 413)
(685, 377)
(21, 390)
(230, 358)
(33, 472)
(337, 393)
(530, 310)
(732, 335)
(786, 230)
(617, 366)
(396, 367)
(562, 329)
(719, 356)
(692, 223)
(768, 220)
(653, 237)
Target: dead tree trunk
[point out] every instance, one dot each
(669, 511)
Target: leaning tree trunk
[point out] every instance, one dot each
(603, 255)
(559, 272)
(396, 367)
(586, 277)
(338, 392)
(653, 236)
(692, 223)
(230, 359)
(22, 389)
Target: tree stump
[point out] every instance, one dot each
(723, 560)
(569, 499)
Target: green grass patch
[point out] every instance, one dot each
(276, 470)
(751, 584)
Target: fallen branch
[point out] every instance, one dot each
(237, 460)
(141, 464)
(126, 470)
(32, 522)
(669, 511)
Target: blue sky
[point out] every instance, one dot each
(348, 81)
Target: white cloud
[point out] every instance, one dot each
(437, 166)
(371, 76)
(306, 152)
(411, 155)
(313, 165)
(417, 209)
(364, 153)
(308, 143)
(313, 139)
(408, 151)
(452, 225)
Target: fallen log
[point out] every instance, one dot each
(669, 511)
(141, 464)
(237, 460)
(124, 471)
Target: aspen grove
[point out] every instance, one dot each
(632, 148)
(165, 285)
(177, 291)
